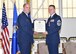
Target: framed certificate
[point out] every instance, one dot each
(39, 26)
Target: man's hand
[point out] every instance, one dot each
(18, 52)
(45, 33)
(35, 33)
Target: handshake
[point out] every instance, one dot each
(44, 33)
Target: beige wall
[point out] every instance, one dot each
(9, 7)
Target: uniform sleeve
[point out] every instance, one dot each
(17, 23)
(33, 27)
(21, 23)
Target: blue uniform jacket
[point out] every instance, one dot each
(53, 27)
(25, 29)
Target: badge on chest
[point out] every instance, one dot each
(52, 20)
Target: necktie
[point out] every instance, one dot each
(49, 20)
(29, 15)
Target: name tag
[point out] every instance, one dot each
(52, 20)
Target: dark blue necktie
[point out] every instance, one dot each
(29, 15)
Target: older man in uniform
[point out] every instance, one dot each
(25, 30)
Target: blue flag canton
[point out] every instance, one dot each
(4, 17)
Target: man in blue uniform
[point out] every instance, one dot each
(53, 27)
(25, 30)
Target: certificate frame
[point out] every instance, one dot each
(39, 25)
(40, 35)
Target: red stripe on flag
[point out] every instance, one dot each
(4, 38)
(7, 31)
(3, 48)
(7, 37)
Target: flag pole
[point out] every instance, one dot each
(14, 1)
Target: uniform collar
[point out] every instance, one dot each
(52, 15)
(26, 13)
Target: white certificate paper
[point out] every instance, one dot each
(39, 26)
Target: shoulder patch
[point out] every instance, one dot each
(59, 23)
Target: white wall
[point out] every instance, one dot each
(68, 27)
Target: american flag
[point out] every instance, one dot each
(5, 32)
